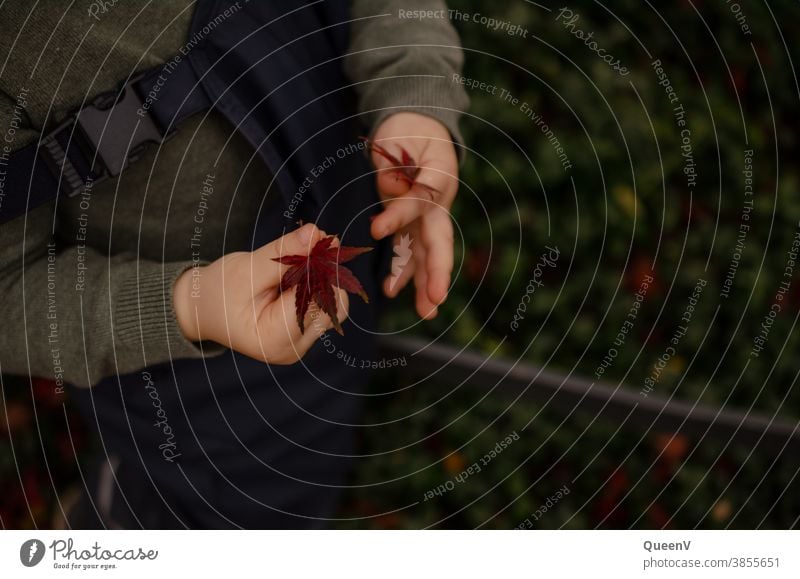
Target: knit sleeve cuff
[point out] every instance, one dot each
(145, 315)
(434, 96)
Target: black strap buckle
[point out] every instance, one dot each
(100, 140)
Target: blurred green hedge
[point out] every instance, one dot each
(631, 213)
(616, 477)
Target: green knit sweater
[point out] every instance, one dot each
(87, 286)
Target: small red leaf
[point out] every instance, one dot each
(348, 282)
(345, 254)
(406, 170)
(291, 278)
(315, 276)
(291, 259)
(407, 159)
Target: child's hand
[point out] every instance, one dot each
(417, 211)
(235, 302)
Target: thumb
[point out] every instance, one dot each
(266, 271)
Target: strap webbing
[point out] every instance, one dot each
(101, 139)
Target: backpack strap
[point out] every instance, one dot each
(100, 140)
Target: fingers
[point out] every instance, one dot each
(426, 309)
(317, 323)
(281, 317)
(437, 237)
(394, 283)
(398, 213)
(404, 204)
(266, 272)
(433, 252)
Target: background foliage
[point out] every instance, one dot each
(622, 212)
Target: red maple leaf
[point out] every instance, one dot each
(315, 276)
(406, 167)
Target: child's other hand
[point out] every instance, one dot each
(416, 211)
(235, 302)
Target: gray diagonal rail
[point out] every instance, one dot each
(566, 392)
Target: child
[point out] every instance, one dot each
(154, 293)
